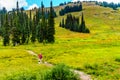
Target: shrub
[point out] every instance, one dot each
(117, 59)
(60, 72)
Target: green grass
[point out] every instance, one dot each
(15, 61)
(96, 53)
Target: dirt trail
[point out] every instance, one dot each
(83, 76)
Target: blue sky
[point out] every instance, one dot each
(29, 4)
(45, 2)
(57, 2)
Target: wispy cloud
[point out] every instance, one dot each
(9, 4)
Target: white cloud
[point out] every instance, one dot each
(9, 4)
(115, 1)
(33, 6)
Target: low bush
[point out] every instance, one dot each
(60, 72)
(117, 59)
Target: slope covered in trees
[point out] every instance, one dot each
(106, 4)
(69, 8)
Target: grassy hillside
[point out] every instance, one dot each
(96, 53)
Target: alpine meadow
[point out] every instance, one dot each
(77, 40)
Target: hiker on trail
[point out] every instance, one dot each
(40, 58)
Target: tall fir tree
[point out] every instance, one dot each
(51, 28)
(17, 23)
(33, 37)
(16, 29)
(82, 26)
(43, 28)
(17, 7)
(15, 37)
(39, 33)
(27, 28)
(6, 35)
(30, 21)
(63, 23)
(23, 26)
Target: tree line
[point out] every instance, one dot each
(72, 23)
(21, 28)
(106, 4)
(68, 8)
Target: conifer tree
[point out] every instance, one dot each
(60, 24)
(33, 37)
(15, 37)
(82, 26)
(27, 28)
(63, 23)
(51, 28)
(15, 31)
(39, 33)
(43, 28)
(6, 38)
(17, 23)
(17, 7)
(23, 26)
(30, 21)
(37, 16)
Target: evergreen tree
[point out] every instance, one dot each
(23, 26)
(1, 24)
(63, 23)
(82, 27)
(15, 31)
(17, 23)
(2, 19)
(37, 16)
(30, 22)
(17, 7)
(39, 33)
(43, 26)
(60, 24)
(27, 28)
(15, 37)
(33, 38)
(51, 28)
(6, 38)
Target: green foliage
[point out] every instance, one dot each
(68, 9)
(83, 28)
(51, 28)
(33, 31)
(117, 59)
(24, 28)
(60, 72)
(112, 5)
(6, 34)
(15, 37)
(72, 23)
